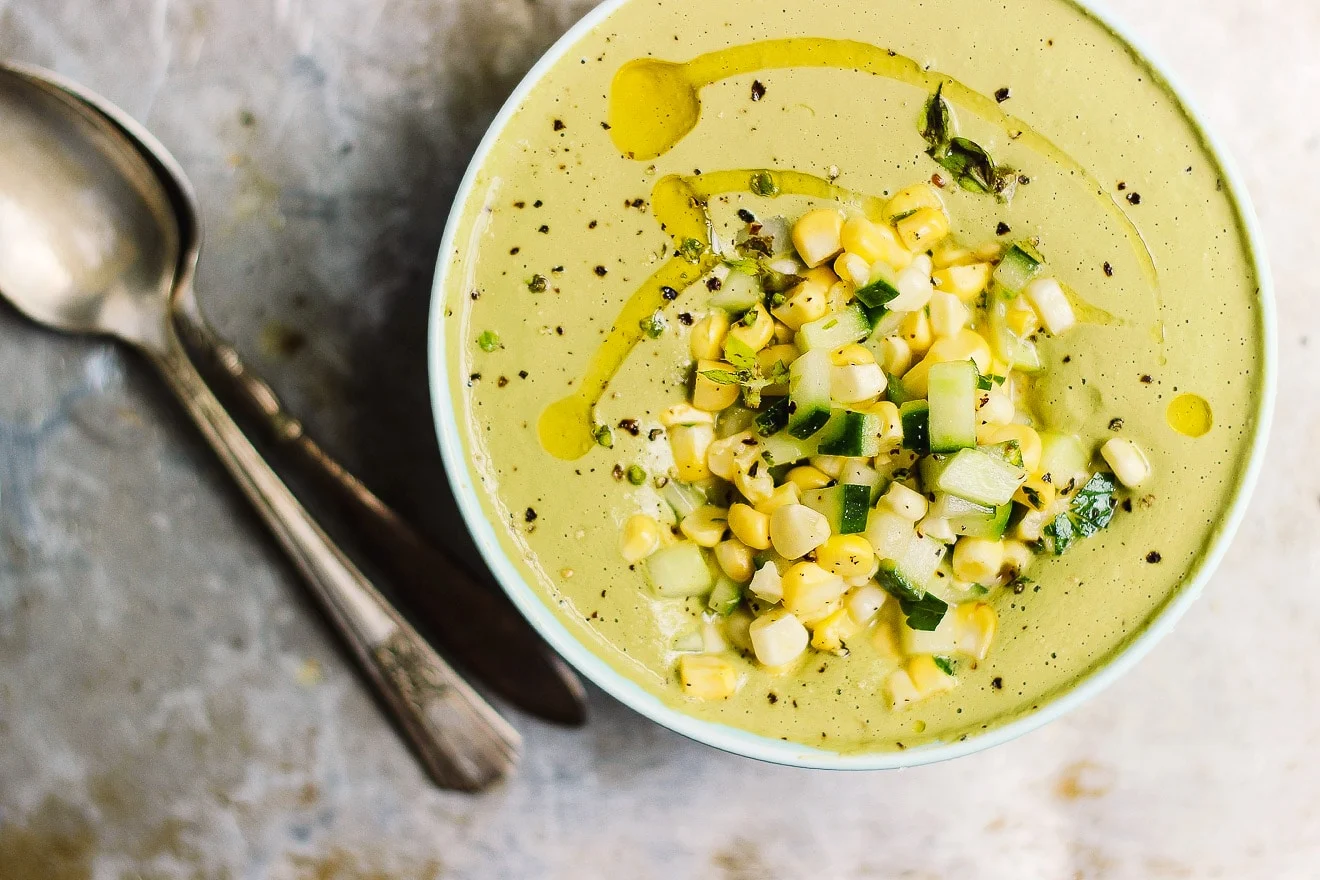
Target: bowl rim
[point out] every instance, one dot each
(745, 743)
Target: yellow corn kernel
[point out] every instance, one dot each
(977, 560)
(778, 639)
(707, 676)
(816, 236)
(976, 625)
(886, 639)
(1036, 493)
(796, 530)
(928, 677)
(948, 315)
(864, 603)
(895, 355)
(767, 358)
(722, 456)
(831, 465)
(782, 497)
(949, 253)
(1128, 461)
(964, 345)
(997, 409)
(852, 355)
(990, 251)
(705, 525)
(758, 333)
(639, 538)
(822, 275)
(689, 444)
(1017, 559)
(806, 302)
(810, 592)
(1021, 318)
(874, 242)
(735, 560)
(924, 229)
(707, 341)
(916, 381)
(737, 628)
(839, 296)
(755, 483)
(916, 332)
(750, 526)
(684, 414)
(853, 269)
(902, 692)
(829, 634)
(784, 333)
(891, 424)
(710, 395)
(1027, 439)
(912, 199)
(966, 282)
(806, 478)
(848, 556)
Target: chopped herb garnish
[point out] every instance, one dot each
(489, 340)
(1091, 510)
(739, 353)
(944, 663)
(773, 281)
(691, 249)
(636, 474)
(537, 284)
(604, 436)
(988, 381)
(937, 122)
(653, 325)
(969, 163)
(924, 614)
(763, 184)
(978, 590)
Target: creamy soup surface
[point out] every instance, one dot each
(558, 199)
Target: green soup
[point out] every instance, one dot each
(560, 250)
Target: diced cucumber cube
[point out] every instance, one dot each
(738, 293)
(682, 498)
(858, 473)
(946, 506)
(1018, 353)
(979, 476)
(1019, 266)
(952, 401)
(679, 571)
(915, 416)
(725, 597)
(774, 419)
(836, 330)
(1063, 456)
(881, 289)
(990, 525)
(851, 434)
(783, 448)
(891, 577)
(847, 506)
(809, 393)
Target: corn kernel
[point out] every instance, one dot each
(806, 478)
(928, 677)
(902, 692)
(907, 503)
(948, 315)
(962, 346)
(838, 297)
(707, 676)
(707, 340)
(1027, 439)
(737, 628)
(936, 527)
(895, 355)
(1017, 559)
(822, 275)
(784, 334)
(816, 235)
(1021, 318)
(949, 253)
(977, 560)
(1035, 493)
(689, 444)
(767, 583)
(735, 559)
(1051, 304)
(796, 530)
(977, 624)
(916, 381)
(852, 355)
(998, 409)
(848, 556)
(864, 603)
(705, 525)
(1128, 461)
(832, 465)
(916, 332)
(778, 639)
(811, 592)
(874, 242)
(806, 302)
(966, 282)
(683, 414)
(891, 423)
(757, 334)
(750, 526)
(829, 634)
(853, 269)
(723, 455)
(639, 538)
(782, 497)
(709, 394)
(924, 229)
(909, 200)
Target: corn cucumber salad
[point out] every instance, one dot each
(858, 457)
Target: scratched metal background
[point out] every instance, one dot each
(170, 708)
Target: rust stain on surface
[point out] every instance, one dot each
(340, 864)
(1084, 780)
(56, 843)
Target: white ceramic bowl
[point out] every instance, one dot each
(742, 742)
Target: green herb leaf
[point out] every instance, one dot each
(636, 475)
(924, 614)
(937, 121)
(774, 419)
(604, 436)
(978, 590)
(489, 341)
(1062, 533)
(779, 373)
(691, 250)
(1094, 504)
(721, 377)
(944, 663)
(745, 265)
(653, 325)
(739, 353)
(753, 246)
(988, 382)
(763, 184)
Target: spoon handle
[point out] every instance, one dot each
(462, 742)
(444, 594)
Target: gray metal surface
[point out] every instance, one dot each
(171, 707)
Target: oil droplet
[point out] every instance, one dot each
(1189, 414)
(918, 726)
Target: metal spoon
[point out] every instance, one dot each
(444, 594)
(89, 244)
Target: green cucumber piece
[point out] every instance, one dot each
(783, 448)
(1021, 263)
(836, 330)
(1062, 456)
(851, 434)
(990, 524)
(881, 289)
(725, 597)
(891, 577)
(915, 416)
(774, 419)
(907, 575)
(946, 506)
(847, 506)
(809, 393)
(1018, 353)
(738, 293)
(679, 571)
(979, 476)
(856, 472)
(682, 498)
(952, 399)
